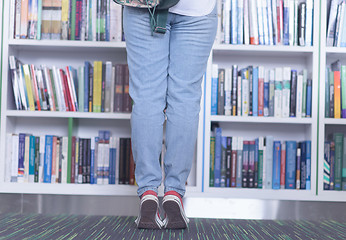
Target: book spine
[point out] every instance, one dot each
(261, 91)
(298, 166)
(255, 92)
(12, 18)
(234, 22)
(234, 89)
(228, 161)
(260, 162)
(293, 93)
(251, 167)
(275, 22)
(112, 93)
(331, 94)
(286, 18)
(343, 171)
(343, 91)
(26, 158)
(286, 92)
(260, 22)
(268, 163)
(103, 85)
(56, 20)
(245, 92)
(291, 20)
(48, 159)
(127, 102)
(270, 22)
(97, 86)
(28, 85)
(85, 161)
(276, 165)
(299, 95)
(240, 146)
(246, 23)
(290, 174)
(218, 155)
(343, 34)
(228, 92)
(18, 20)
(32, 149)
(271, 93)
(308, 165)
(42, 157)
(88, 161)
(302, 24)
(108, 87)
(240, 22)
(266, 95)
(283, 165)
(212, 162)
(309, 22)
(326, 165)
(239, 94)
(265, 22)
(278, 93)
(279, 10)
(37, 159)
(73, 160)
(24, 19)
(304, 93)
(226, 21)
(308, 97)
(254, 30)
(223, 161)
(332, 166)
(303, 166)
(127, 161)
(234, 161)
(249, 77)
(121, 161)
(118, 96)
(221, 92)
(214, 90)
(245, 165)
(338, 139)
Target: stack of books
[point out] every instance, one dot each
(334, 164)
(259, 163)
(336, 25)
(83, 20)
(45, 159)
(101, 87)
(266, 22)
(255, 91)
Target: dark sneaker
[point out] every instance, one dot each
(148, 213)
(174, 209)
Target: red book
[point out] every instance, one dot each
(64, 93)
(67, 91)
(260, 90)
(283, 165)
(233, 164)
(35, 87)
(73, 159)
(55, 173)
(79, 9)
(70, 88)
(337, 95)
(280, 24)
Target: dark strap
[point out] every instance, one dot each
(160, 17)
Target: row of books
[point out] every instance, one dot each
(255, 91)
(84, 20)
(336, 25)
(101, 87)
(45, 159)
(260, 163)
(266, 22)
(334, 164)
(335, 91)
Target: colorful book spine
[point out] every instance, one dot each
(343, 90)
(308, 97)
(255, 92)
(308, 165)
(266, 94)
(338, 139)
(261, 78)
(240, 146)
(303, 166)
(245, 165)
(218, 152)
(271, 93)
(48, 159)
(291, 154)
(234, 161)
(286, 18)
(97, 86)
(223, 161)
(268, 175)
(234, 89)
(214, 89)
(228, 161)
(32, 149)
(298, 160)
(212, 161)
(245, 93)
(254, 30)
(326, 165)
(283, 166)
(286, 92)
(276, 165)
(251, 166)
(293, 94)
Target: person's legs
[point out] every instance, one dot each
(147, 56)
(191, 39)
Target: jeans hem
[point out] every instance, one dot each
(143, 190)
(181, 192)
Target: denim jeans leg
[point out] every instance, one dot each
(147, 56)
(191, 39)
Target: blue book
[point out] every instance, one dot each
(286, 36)
(21, 152)
(107, 23)
(217, 168)
(303, 166)
(223, 161)
(266, 97)
(112, 159)
(343, 33)
(255, 92)
(86, 86)
(276, 164)
(47, 168)
(308, 165)
(92, 160)
(268, 176)
(214, 90)
(234, 22)
(308, 97)
(32, 159)
(256, 163)
(240, 22)
(290, 176)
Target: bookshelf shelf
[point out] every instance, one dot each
(304, 121)
(335, 121)
(335, 50)
(86, 115)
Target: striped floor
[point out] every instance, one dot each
(35, 226)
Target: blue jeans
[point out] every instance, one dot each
(166, 71)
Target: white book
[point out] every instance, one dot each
(265, 22)
(58, 89)
(239, 102)
(240, 21)
(108, 86)
(22, 88)
(219, 33)
(299, 96)
(14, 161)
(26, 158)
(260, 22)
(106, 163)
(239, 162)
(12, 18)
(261, 148)
(269, 163)
(295, 28)
(291, 22)
(8, 157)
(245, 96)
(226, 16)
(246, 23)
(83, 24)
(113, 22)
(72, 88)
(94, 19)
(340, 25)
(64, 160)
(270, 22)
(41, 164)
(15, 82)
(18, 15)
(309, 23)
(275, 22)
(254, 29)
(286, 92)
(49, 87)
(278, 93)
(100, 163)
(234, 22)
(332, 22)
(228, 91)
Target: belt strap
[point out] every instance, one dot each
(159, 25)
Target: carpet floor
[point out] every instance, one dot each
(37, 226)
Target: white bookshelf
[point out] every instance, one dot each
(327, 126)
(83, 124)
(296, 129)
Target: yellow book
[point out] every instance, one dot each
(97, 86)
(337, 95)
(65, 4)
(29, 92)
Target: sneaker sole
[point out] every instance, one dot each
(175, 218)
(148, 213)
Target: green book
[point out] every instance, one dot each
(73, 20)
(53, 89)
(326, 100)
(260, 162)
(212, 161)
(338, 139)
(343, 91)
(343, 177)
(305, 79)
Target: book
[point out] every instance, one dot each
(228, 161)
(234, 158)
(293, 94)
(276, 165)
(260, 94)
(212, 161)
(245, 165)
(218, 152)
(338, 138)
(240, 145)
(326, 165)
(283, 165)
(221, 92)
(291, 154)
(268, 164)
(286, 79)
(278, 93)
(223, 161)
(252, 164)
